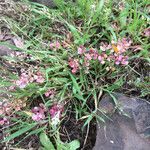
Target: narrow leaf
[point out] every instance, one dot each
(74, 145)
(45, 141)
(20, 132)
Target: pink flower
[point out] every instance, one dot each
(74, 70)
(18, 42)
(47, 94)
(81, 50)
(3, 121)
(88, 56)
(39, 77)
(56, 109)
(124, 62)
(93, 53)
(126, 42)
(86, 62)
(51, 45)
(108, 58)
(105, 46)
(38, 116)
(74, 64)
(37, 110)
(55, 45)
(104, 55)
(25, 79)
(12, 88)
(95, 56)
(50, 93)
(5, 107)
(22, 81)
(121, 48)
(102, 62)
(38, 113)
(117, 62)
(120, 57)
(101, 59)
(123, 45)
(147, 32)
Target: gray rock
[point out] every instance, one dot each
(4, 50)
(121, 132)
(7, 50)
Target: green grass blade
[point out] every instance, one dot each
(20, 132)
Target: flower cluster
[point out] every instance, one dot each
(55, 113)
(22, 81)
(3, 121)
(38, 77)
(7, 108)
(120, 49)
(25, 79)
(74, 64)
(40, 113)
(55, 45)
(50, 93)
(113, 53)
(56, 109)
(18, 104)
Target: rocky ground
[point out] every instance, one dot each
(131, 124)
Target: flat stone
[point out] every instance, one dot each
(5, 50)
(8, 41)
(124, 129)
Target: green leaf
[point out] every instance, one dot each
(90, 117)
(116, 85)
(75, 33)
(114, 37)
(52, 69)
(45, 141)
(74, 145)
(75, 84)
(112, 96)
(20, 132)
(100, 5)
(37, 131)
(98, 10)
(123, 18)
